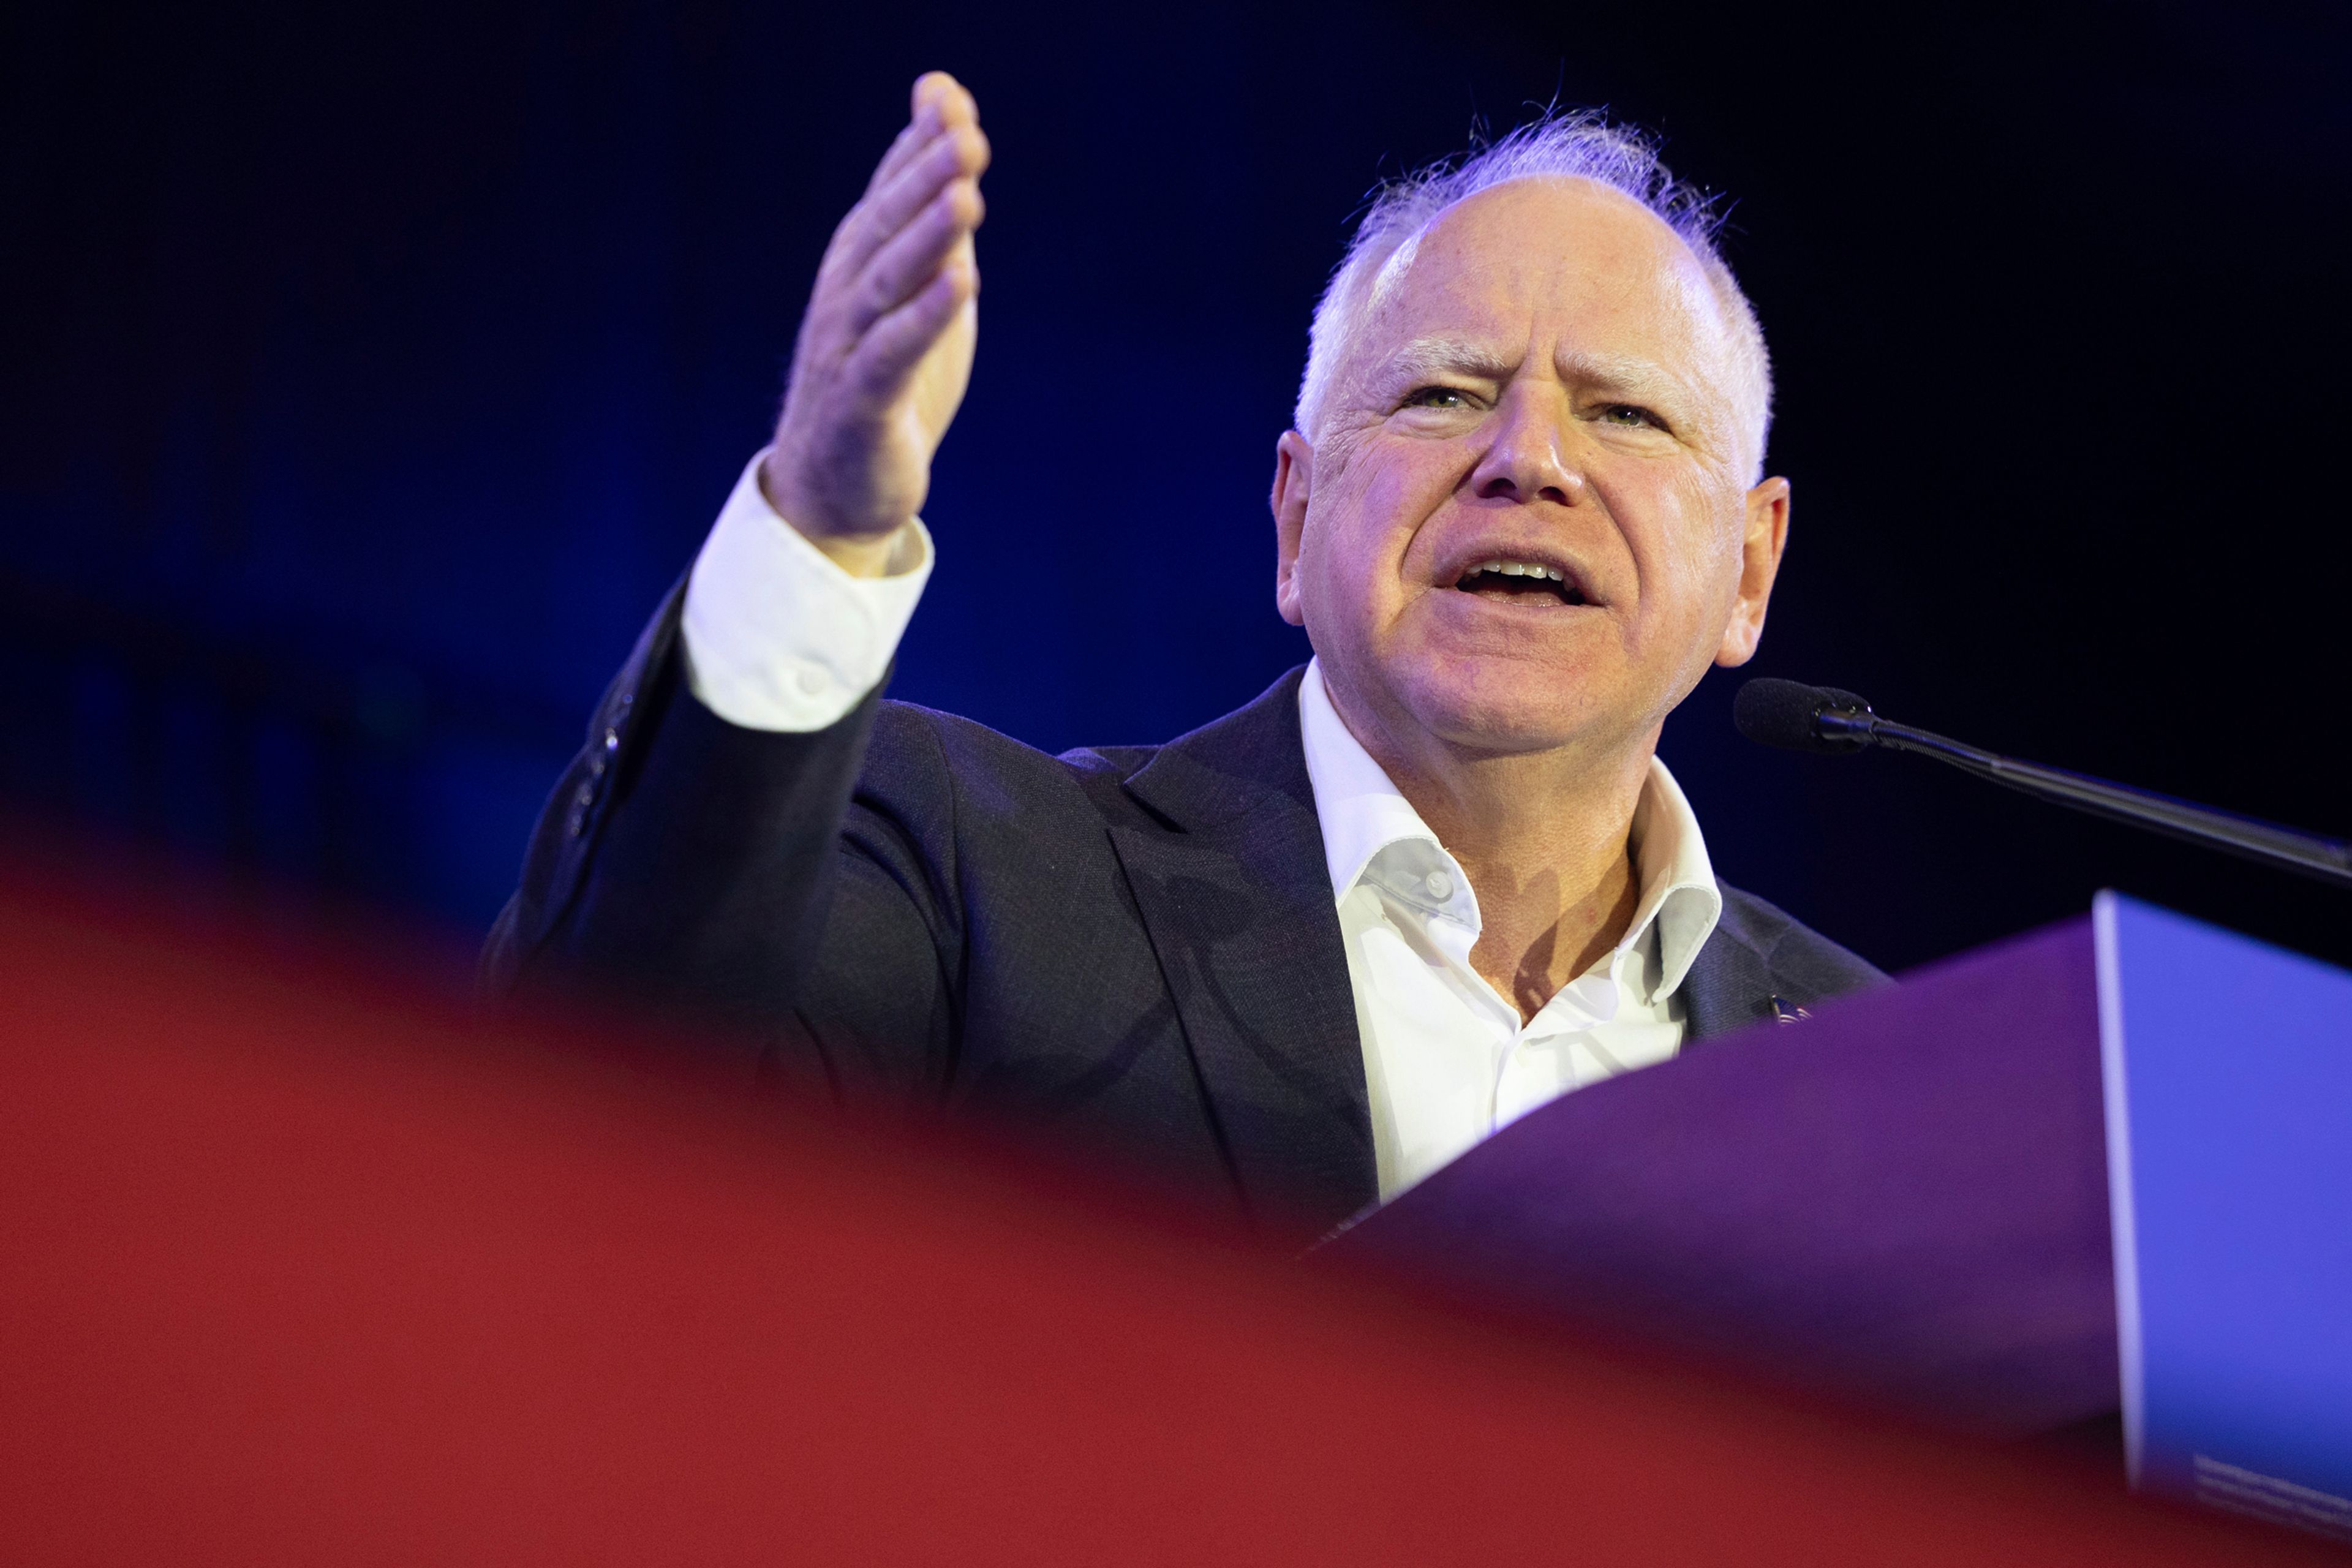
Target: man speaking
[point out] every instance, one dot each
(1304, 955)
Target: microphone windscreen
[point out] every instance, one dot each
(1776, 712)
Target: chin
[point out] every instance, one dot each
(1504, 705)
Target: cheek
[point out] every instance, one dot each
(1362, 526)
(1688, 550)
(1408, 485)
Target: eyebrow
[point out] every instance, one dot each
(1624, 374)
(1428, 356)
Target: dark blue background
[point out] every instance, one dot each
(370, 373)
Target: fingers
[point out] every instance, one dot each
(940, 103)
(958, 152)
(933, 88)
(944, 129)
(889, 351)
(913, 256)
(886, 346)
(913, 137)
(900, 264)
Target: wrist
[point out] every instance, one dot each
(859, 554)
(864, 556)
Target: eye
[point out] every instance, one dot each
(1631, 416)
(1435, 397)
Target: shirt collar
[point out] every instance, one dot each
(1360, 811)
(1362, 814)
(1678, 890)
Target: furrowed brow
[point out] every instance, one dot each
(1622, 375)
(1426, 357)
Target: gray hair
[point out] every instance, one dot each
(1576, 143)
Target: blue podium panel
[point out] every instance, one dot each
(2228, 1070)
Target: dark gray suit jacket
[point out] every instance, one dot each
(1136, 945)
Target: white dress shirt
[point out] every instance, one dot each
(1446, 1058)
(779, 637)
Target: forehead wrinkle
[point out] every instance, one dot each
(1462, 356)
(1628, 374)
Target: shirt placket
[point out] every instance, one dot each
(1522, 1083)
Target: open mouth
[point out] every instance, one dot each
(1525, 580)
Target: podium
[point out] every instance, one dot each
(300, 1264)
(2106, 1168)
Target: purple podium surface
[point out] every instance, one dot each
(1903, 1196)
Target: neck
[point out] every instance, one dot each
(1546, 839)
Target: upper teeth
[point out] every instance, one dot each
(1520, 569)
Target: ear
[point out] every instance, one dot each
(1760, 562)
(1293, 477)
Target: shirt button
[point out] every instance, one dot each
(1440, 886)
(810, 680)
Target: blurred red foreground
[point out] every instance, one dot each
(298, 1267)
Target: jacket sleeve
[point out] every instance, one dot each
(722, 872)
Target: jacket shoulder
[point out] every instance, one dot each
(1803, 961)
(922, 753)
(1238, 762)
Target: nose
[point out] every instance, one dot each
(1525, 462)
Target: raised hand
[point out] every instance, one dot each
(884, 350)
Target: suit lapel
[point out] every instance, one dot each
(1237, 901)
(1728, 986)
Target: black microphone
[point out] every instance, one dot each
(1801, 717)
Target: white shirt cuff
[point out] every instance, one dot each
(780, 637)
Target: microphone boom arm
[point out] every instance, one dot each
(2328, 859)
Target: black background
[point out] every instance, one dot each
(370, 373)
